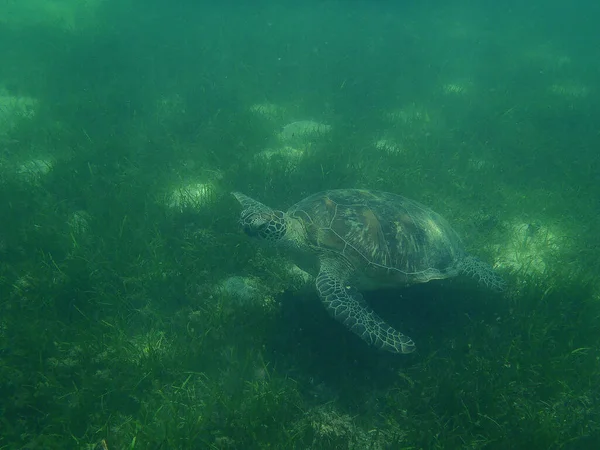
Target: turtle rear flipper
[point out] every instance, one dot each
(346, 305)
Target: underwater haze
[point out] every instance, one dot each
(136, 314)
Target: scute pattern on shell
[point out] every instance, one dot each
(387, 237)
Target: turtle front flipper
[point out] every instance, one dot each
(483, 272)
(347, 305)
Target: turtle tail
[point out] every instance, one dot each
(483, 272)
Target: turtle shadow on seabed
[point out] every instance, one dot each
(436, 313)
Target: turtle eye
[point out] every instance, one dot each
(252, 224)
(248, 219)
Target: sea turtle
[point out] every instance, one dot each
(352, 239)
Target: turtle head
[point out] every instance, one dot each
(258, 220)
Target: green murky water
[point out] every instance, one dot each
(135, 314)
